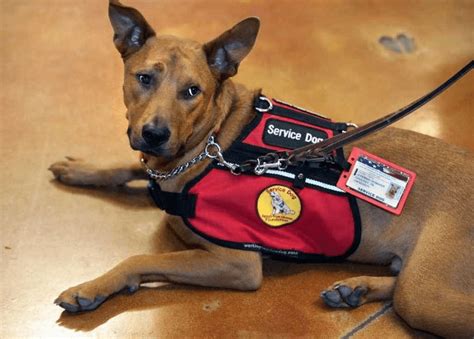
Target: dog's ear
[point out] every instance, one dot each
(225, 53)
(130, 28)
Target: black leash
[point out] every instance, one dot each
(321, 152)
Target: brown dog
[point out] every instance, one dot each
(178, 92)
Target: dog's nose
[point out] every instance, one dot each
(154, 135)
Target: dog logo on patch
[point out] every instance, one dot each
(278, 205)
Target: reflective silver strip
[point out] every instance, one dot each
(308, 181)
(323, 185)
(281, 173)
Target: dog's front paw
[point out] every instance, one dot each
(75, 172)
(90, 295)
(84, 297)
(343, 295)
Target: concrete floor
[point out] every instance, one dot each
(61, 95)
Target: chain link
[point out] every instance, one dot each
(212, 150)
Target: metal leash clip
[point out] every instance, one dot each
(214, 151)
(278, 163)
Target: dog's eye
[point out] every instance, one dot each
(191, 92)
(144, 79)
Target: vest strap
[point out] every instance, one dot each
(180, 204)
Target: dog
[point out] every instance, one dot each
(278, 205)
(178, 92)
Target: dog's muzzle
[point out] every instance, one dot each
(155, 136)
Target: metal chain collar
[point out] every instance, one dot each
(212, 150)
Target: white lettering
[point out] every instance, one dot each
(310, 138)
(286, 133)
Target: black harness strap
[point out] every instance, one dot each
(181, 204)
(304, 116)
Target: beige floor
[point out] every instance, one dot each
(61, 95)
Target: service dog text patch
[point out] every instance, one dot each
(278, 205)
(289, 135)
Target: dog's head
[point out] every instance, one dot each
(171, 84)
(275, 196)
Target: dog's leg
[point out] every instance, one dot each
(241, 270)
(357, 291)
(435, 290)
(77, 172)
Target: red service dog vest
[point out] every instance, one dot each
(296, 213)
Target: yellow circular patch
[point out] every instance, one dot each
(278, 205)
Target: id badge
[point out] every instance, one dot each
(377, 181)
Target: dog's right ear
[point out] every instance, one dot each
(130, 28)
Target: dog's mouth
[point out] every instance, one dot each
(160, 151)
(164, 151)
(157, 153)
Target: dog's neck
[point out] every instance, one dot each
(232, 110)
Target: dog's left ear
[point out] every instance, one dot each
(225, 53)
(130, 28)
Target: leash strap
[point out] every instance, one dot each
(323, 148)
